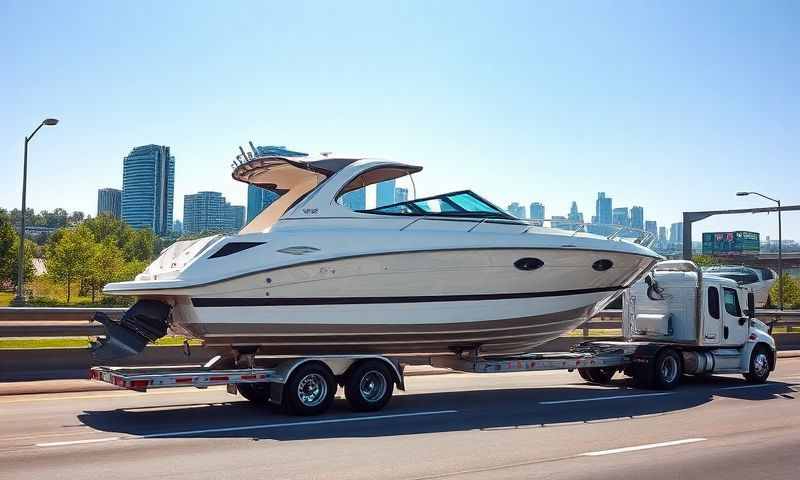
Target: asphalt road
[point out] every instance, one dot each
(523, 425)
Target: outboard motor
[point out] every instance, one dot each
(145, 321)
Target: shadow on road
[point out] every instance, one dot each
(475, 409)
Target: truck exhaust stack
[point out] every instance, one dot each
(145, 321)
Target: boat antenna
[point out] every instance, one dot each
(253, 148)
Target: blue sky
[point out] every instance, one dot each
(669, 105)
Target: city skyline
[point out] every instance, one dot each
(514, 103)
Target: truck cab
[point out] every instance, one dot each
(707, 319)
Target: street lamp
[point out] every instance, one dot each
(780, 244)
(20, 298)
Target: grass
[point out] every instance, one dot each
(76, 342)
(5, 298)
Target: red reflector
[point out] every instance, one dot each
(249, 377)
(183, 380)
(138, 385)
(218, 379)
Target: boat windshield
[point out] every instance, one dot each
(464, 203)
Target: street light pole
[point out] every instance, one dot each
(20, 298)
(780, 244)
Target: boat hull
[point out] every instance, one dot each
(451, 301)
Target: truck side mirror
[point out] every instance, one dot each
(751, 304)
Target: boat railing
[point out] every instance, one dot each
(611, 232)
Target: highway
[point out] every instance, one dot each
(466, 426)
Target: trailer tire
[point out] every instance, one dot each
(759, 365)
(599, 375)
(369, 386)
(667, 369)
(256, 393)
(310, 389)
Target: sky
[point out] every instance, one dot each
(670, 105)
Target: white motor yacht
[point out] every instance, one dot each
(429, 276)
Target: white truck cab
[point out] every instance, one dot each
(706, 319)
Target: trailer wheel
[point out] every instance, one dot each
(667, 369)
(369, 386)
(310, 389)
(759, 365)
(600, 375)
(257, 393)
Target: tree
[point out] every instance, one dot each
(704, 260)
(105, 266)
(9, 245)
(791, 292)
(141, 245)
(69, 258)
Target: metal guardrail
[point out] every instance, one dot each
(41, 322)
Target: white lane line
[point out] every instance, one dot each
(641, 447)
(77, 442)
(613, 397)
(759, 385)
(248, 427)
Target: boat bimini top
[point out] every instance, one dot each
(302, 179)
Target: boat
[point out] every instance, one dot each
(759, 280)
(438, 275)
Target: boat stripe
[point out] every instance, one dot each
(269, 302)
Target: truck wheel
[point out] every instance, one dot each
(759, 365)
(600, 375)
(310, 389)
(257, 393)
(667, 369)
(369, 386)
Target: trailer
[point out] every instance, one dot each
(676, 322)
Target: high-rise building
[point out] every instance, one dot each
(516, 209)
(676, 233)
(603, 210)
(637, 217)
(177, 227)
(234, 217)
(575, 217)
(400, 195)
(651, 227)
(355, 200)
(662, 235)
(560, 221)
(109, 202)
(257, 200)
(209, 212)
(620, 216)
(384, 193)
(148, 183)
(537, 213)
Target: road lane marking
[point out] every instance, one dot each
(77, 442)
(612, 397)
(248, 427)
(642, 447)
(760, 385)
(107, 394)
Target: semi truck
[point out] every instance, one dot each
(676, 321)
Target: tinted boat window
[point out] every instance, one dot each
(713, 302)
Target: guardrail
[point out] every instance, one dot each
(53, 363)
(42, 322)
